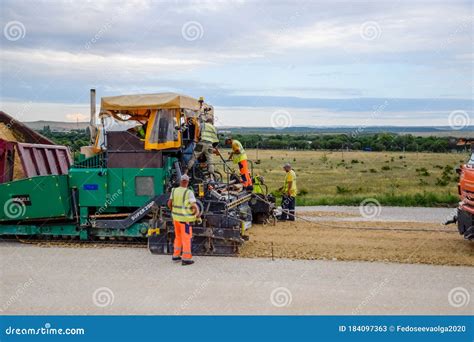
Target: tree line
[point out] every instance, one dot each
(365, 142)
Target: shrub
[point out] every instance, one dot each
(303, 192)
(342, 190)
(441, 182)
(385, 168)
(422, 182)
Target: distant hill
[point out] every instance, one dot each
(415, 130)
(58, 126)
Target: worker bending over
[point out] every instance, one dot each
(185, 211)
(239, 157)
(206, 145)
(289, 195)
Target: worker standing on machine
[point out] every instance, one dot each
(205, 146)
(239, 157)
(289, 195)
(185, 211)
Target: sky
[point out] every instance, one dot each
(260, 63)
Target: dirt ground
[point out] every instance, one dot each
(404, 242)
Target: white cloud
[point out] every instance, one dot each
(50, 62)
(249, 48)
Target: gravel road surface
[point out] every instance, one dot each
(38, 280)
(406, 214)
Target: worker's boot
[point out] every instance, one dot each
(187, 262)
(176, 258)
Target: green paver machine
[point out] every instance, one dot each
(119, 188)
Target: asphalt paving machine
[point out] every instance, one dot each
(119, 187)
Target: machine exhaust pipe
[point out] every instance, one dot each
(92, 123)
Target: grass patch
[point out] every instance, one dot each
(332, 178)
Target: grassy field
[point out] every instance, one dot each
(347, 178)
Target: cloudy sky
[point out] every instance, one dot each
(261, 63)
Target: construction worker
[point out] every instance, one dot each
(185, 211)
(289, 195)
(239, 157)
(258, 182)
(205, 146)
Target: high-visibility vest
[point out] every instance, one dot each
(257, 186)
(209, 133)
(141, 132)
(290, 176)
(181, 205)
(238, 157)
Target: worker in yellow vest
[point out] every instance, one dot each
(185, 211)
(258, 182)
(206, 145)
(289, 195)
(239, 157)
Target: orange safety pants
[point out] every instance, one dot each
(245, 173)
(183, 233)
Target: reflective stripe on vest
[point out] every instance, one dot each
(209, 133)
(182, 207)
(238, 157)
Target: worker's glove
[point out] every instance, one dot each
(199, 220)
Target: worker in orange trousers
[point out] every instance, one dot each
(239, 157)
(185, 211)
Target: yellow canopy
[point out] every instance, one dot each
(149, 101)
